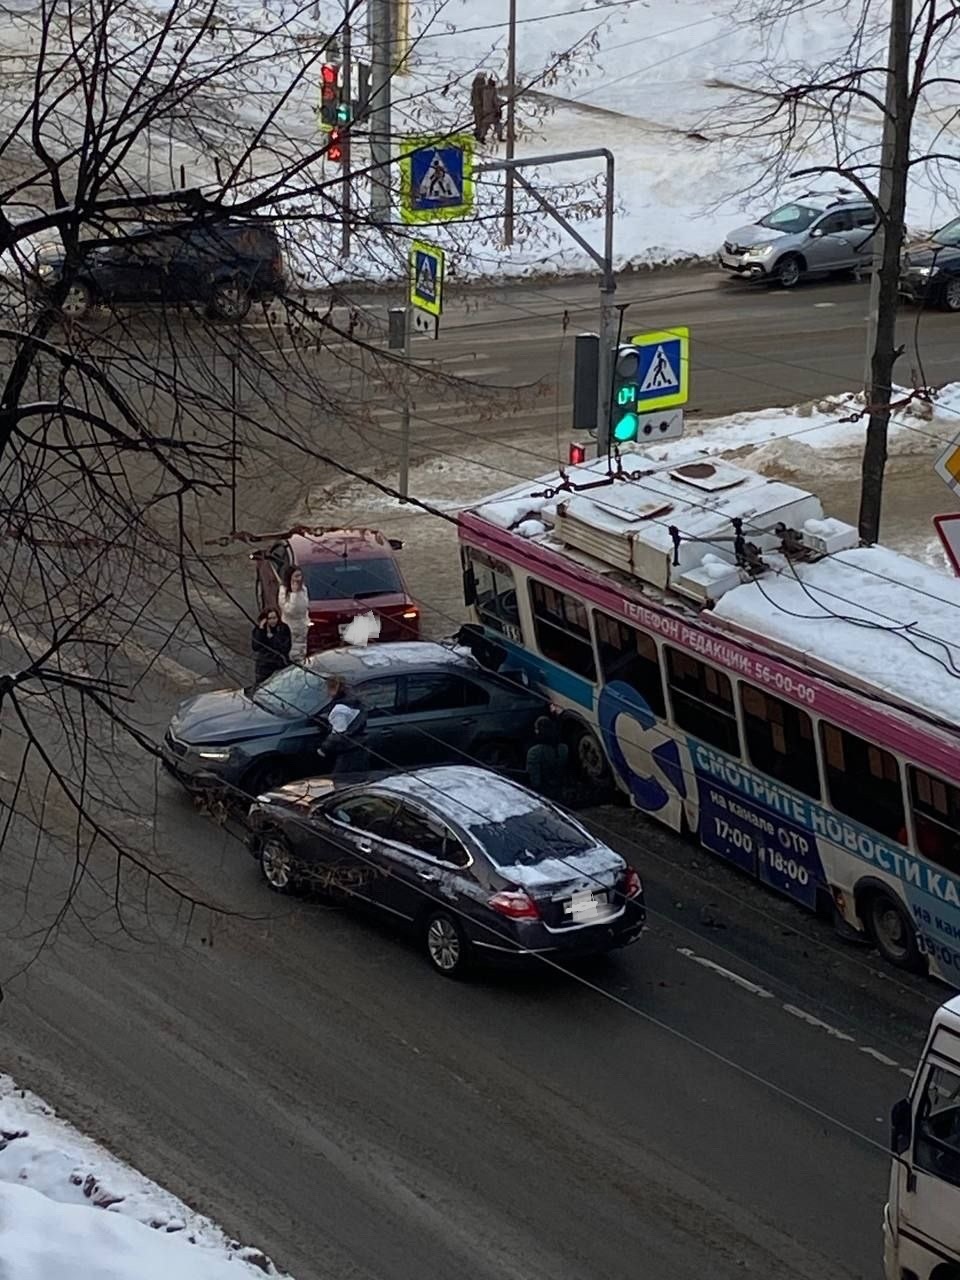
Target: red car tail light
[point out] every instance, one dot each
(631, 885)
(410, 613)
(515, 904)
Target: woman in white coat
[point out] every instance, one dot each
(294, 604)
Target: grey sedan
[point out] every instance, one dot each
(424, 704)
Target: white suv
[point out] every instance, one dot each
(814, 234)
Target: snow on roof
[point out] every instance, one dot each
(468, 795)
(391, 654)
(892, 622)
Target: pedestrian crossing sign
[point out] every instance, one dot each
(436, 179)
(663, 373)
(426, 277)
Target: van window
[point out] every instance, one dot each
(780, 740)
(630, 655)
(702, 700)
(863, 782)
(562, 629)
(936, 819)
(937, 1149)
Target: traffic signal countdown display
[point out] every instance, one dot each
(624, 418)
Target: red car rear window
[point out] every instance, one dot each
(352, 579)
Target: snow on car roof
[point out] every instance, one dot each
(471, 796)
(890, 621)
(356, 658)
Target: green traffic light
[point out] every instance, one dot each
(343, 113)
(626, 428)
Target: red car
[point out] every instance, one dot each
(346, 572)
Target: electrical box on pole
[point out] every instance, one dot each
(586, 372)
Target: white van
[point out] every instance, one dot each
(921, 1221)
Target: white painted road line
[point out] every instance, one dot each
(728, 974)
(795, 1011)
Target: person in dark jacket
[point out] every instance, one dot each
(476, 105)
(547, 759)
(270, 643)
(344, 748)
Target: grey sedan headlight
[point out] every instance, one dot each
(758, 251)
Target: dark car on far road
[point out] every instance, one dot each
(425, 704)
(476, 864)
(930, 269)
(346, 572)
(223, 266)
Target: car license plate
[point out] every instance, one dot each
(587, 904)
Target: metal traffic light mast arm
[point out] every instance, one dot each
(604, 260)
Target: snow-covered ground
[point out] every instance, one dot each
(71, 1211)
(657, 81)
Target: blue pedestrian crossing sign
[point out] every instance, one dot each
(663, 373)
(426, 277)
(436, 179)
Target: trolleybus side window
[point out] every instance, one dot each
(702, 699)
(562, 629)
(780, 740)
(864, 782)
(936, 818)
(630, 655)
(495, 593)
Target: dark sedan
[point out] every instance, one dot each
(476, 864)
(930, 270)
(425, 704)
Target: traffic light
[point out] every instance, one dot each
(335, 147)
(624, 419)
(329, 95)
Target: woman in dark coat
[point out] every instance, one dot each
(270, 643)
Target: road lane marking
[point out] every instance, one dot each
(812, 1021)
(747, 985)
(795, 1011)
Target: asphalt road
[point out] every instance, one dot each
(715, 1102)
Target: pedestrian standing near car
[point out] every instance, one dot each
(294, 603)
(270, 643)
(547, 759)
(343, 746)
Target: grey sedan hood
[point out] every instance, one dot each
(226, 716)
(751, 234)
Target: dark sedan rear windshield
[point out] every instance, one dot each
(525, 839)
(351, 579)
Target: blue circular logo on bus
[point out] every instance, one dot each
(621, 699)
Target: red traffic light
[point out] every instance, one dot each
(576, 454)
(329, 73)
(335, 147)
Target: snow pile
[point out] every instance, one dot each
(802, 439)
(71, 1211)
(885, 618)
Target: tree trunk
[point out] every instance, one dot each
(884, 290)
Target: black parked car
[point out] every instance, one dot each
(223, 267)
(425, 704)
(475, 863)
(930, 270)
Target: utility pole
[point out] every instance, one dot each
(511, 122)
(347, 97)
(882, 315)
(381, 69)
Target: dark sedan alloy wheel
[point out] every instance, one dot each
(276, 864)
(951, 294)
(77, 301)
(447, 948)
(230, 301)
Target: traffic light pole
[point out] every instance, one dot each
(609, 321)
(346, 96)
